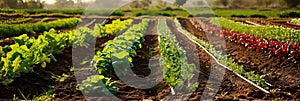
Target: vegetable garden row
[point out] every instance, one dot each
(255, 53)
(180, 56)
(272, 40)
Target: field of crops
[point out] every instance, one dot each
(68, 57)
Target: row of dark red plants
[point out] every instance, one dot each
(285, 50)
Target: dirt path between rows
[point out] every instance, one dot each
(283, 75)
(227, 86)
(41, 80)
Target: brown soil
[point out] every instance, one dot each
(9, 41)
(142, 69)
(231, 86)
(283, 75)
(264, 22)
(67, 89)
(32, 84)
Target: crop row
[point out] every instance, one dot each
(15, 21)
(27, 52)
(8, 30)
(117, 53)
(268, 22)
(259, 44)
(226, 61)
(113, 28)
(270, 32)
(176, 68)
(295, 21)
(101, 31)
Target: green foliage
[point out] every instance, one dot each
(118, 13)
(8, 30)
(237, 12)
(122, 49)
(113, 28)
(47, 11)
(46, 96)
(292, 14)
(295, 21)
(268, 32)
(206, 15)
(173, 59)
(15, 21)
(258, 16)
(26, 52)
(228, 62)
(84, 36)
(95, 83)
(238, 16)
(60, 78)
(11, 11)
(103, 12)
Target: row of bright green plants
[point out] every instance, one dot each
(15, 21)
(9, 30)
(167, 11)
(176, 69)
(270, 39)
(295, 21)
(117, 53)
(29, 52)
(21, 20)
(270, 32)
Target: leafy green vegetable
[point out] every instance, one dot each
(225, 60)
(270, 32)
(117, 52)
(173, 59)
(9, 30)
(295, 21)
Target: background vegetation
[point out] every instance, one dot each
(224, 8)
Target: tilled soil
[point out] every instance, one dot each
(282, 74)
(33, 84)
(215, 81)
(227, 86)
(145, 64)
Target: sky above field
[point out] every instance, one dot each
(53, 1)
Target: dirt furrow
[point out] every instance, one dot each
(283, 75)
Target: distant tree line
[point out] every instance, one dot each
(147, 3)
(257, 3)
(28, 4)
(72, 4)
